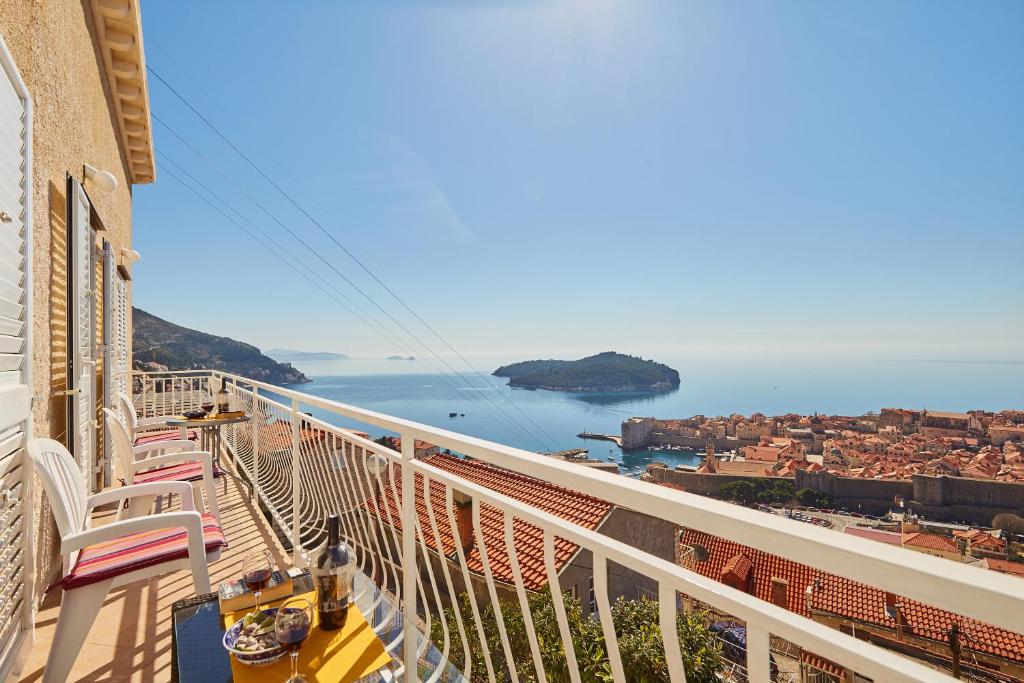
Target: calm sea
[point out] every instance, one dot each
(713, 383)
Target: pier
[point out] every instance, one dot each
(570, 453)
(617, 440)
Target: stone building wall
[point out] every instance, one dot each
(698, 482)
(53, 46)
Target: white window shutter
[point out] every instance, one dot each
(82, 305)
(15, 364)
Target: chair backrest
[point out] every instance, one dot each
(129, 417)
(63, 482)
(121, 446)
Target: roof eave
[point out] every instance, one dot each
(119, 38)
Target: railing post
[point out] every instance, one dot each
(409, 616)
(255, 471)
(758, 654)
(142, 382)
(296, 473)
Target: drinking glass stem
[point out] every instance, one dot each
(295, 663)
(257, 594)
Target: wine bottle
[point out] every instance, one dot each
(332, 574)
(223, 399)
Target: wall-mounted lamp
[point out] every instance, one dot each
(129, 256)
(104, 181)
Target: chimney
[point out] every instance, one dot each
(895, 611)
(464, 519)
(780, 592)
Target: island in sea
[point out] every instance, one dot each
(291, 355)
(400, 358)
(159, 345)
(604, 372)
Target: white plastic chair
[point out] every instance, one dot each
(117, 551)
(134, 424)
(133, 463)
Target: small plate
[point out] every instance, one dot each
(252, 657)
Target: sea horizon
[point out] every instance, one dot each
(541, 420)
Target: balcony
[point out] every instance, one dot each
(506, 528)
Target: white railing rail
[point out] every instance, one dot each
(303, 468)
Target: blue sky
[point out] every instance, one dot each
(559, 178)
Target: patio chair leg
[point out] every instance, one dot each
(78, 610)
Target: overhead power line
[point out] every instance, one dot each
(337, 272)
(346, 303)
(341, 246)
(305, 275)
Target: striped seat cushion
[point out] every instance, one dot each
(136, 551)
(184, 471)
(165, 435)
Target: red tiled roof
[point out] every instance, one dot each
(736, 571)
(822, 664)
(849, 599)
(852, 600)
(931, 541)
(890, 537)
(987, 541)
(1005, 566)
(579, 508)
(765, 565)
(277, 436)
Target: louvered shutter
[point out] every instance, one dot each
(115, 343)
(15, 365)
(122, 375)
(81, 303)
(109, 351)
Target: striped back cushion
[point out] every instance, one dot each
(166, 435)
(136, 551)
(185, 471)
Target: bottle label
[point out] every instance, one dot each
(331, 590)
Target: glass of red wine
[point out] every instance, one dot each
(292, 626)
(257, 569)
(207, 405)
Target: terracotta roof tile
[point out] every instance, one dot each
(579, 508)
(849, 599)
(1005, 566)
(931, 541)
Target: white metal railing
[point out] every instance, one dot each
(303, 467)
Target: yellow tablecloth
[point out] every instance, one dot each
(341, 656)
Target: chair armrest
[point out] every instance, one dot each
(144, 449)
(157, 488)
(173, 459)
(191, 520)
(159, 421)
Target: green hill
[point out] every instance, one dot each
(605, 372)
(162, 345)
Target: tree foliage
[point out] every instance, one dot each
(813, 498)
(608, 371)
(762, 490)
(637, 632)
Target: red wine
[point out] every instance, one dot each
(257, 580)
(292, 636)
(332, 574)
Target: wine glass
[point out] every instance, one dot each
(207, 405)
(257, 569)
(291, 626)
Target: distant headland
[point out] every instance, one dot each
(604, 372)
(291, 355)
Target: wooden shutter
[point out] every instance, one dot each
(81, 330)
(15, 363)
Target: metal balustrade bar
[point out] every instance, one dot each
(303, 468)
